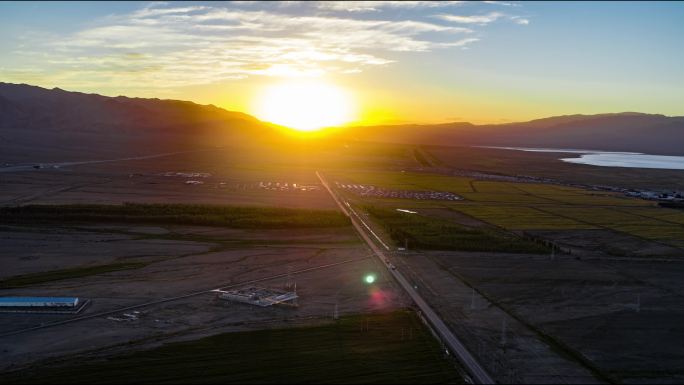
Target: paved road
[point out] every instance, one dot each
(455, 346)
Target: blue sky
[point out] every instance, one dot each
(406, 62)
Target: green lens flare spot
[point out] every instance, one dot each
(370, 278)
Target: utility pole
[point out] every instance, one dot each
(288, 282)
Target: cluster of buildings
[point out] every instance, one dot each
(194, 179)
(287, 186)
(671, 196)
(187, 174)
(259, 296)
(378, 192)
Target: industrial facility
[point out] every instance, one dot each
(63, 305)
(259, 296)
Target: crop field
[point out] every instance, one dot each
(409, 181)
(543, 189)
(508, 198)
(665, 215)
(669, 234)
(602, 216)
(545, 193)
(645, 224)
(598, 200)
(526, 188)
(433, 233)
(534, 206)
(519, 217)
(372, 348)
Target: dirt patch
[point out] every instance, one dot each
(328, 272)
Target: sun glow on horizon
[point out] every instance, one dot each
(305, 105)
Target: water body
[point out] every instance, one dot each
(613, 159)
(630, 160)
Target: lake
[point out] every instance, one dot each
(612, 159)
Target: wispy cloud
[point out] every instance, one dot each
(483, 19)
(165, 45)
(520, 20)
(503, 3)
(370, 6)
(474, 19)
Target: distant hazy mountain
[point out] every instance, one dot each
(628, 131)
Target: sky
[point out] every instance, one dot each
(403, 62)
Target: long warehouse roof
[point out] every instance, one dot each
(38, 299)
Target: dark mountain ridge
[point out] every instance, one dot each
(30, 107)
(27, 110)
(628, 131)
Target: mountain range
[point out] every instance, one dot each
(40, 117)
(628, 131)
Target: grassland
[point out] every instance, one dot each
(180, 214)
(374, 348)
(439, 234)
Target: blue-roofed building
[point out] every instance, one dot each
(39, 302)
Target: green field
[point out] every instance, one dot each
(531, 206)
(439, 234)
(519, 217)
(374, 348)
(407, 181)
(662, 214)
(179, 214)
(507, 198)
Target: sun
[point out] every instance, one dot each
(305, 105)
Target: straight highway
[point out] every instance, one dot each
(450, 340)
